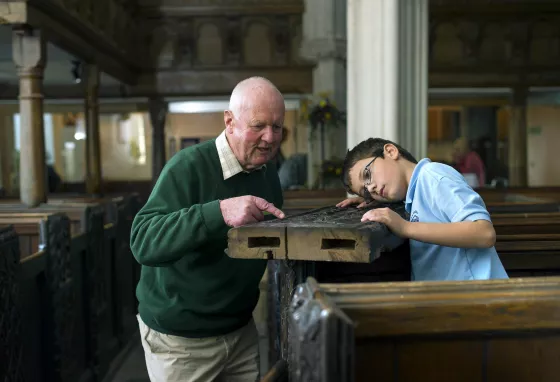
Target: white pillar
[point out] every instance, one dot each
(388, 72)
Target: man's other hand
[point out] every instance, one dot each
(247, 209)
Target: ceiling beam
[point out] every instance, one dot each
(73, 35)
(185, 83)
(220, 81)
(212, 83)
(230, 10)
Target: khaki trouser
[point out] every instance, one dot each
(232, 357)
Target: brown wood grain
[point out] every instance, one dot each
(481, 331)
(326, 234)
(429, 308)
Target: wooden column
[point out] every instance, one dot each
(93, 151)
(517, 146)
(29, 55)
(158, 113)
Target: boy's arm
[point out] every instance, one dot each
(467, 234)
(469, 222)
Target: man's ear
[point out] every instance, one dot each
(228, 121)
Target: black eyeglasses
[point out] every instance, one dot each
(367, 181)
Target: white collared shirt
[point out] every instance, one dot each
(230, 164)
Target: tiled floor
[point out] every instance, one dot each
(133, 367)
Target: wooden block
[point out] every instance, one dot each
(324, 234)
(257, 241)
(335, 234)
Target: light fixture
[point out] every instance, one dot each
(77, 71)
(80, 133)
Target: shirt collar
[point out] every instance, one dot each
(412, 185)
(230, 164)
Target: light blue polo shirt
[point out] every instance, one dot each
(439, 194)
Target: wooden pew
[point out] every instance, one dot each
(523, 251)
(500, 330)
(11, 356)
(55, 313)
(118, 211)
(69, 285)
(526, 255)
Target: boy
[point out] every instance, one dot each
(450, 231)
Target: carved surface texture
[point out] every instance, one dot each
(10, 320)
(321, 338)
(333, 217)
(96, 290)
(226, 41)
(324, 234)
(61, 297)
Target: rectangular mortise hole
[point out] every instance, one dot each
(263, 242)
(338, 244)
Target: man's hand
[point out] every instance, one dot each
(352, 201)
(246, 209)
(388, 217)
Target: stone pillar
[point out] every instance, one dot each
(388, 72)
(93, 149)
(29, 55)
(158, 114)
(324, 44)
(517, 145)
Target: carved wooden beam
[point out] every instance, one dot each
(94, 40)
(179, 8)
(220, 81)
(324, 234)
(492, 8)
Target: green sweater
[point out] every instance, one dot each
(189, 287)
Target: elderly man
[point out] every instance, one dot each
(196, 303)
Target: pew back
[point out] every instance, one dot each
(77, 292)
(498, 330)
(11, 367)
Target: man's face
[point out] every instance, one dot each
(255, 135)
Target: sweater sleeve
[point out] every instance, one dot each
(172, 223)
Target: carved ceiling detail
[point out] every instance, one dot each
(510, 44)
(226, 41)
(455, 3)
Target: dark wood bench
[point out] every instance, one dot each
(12, 364)
(77, 292)
(500, 330)
(520, 245)
(118, 211)
(61, 311)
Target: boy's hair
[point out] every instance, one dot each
(372, 147)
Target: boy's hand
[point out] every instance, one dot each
(388, 217)
(352, 201)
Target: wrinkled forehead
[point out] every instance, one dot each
(263, 106)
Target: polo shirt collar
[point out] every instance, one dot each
(228, 161)
(412, 184)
